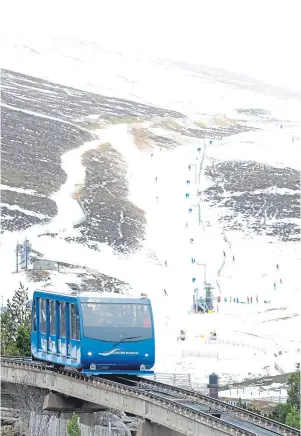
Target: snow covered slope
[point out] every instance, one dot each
(100, 187)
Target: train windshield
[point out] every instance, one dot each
(117, 322)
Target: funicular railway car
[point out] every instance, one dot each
(94, 335)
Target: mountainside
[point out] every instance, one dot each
(122, 179)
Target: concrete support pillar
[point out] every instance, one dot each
(151, 429)
(58, 403)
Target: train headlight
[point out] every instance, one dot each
(93, 366)
(142, 367)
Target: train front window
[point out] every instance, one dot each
(115, 322)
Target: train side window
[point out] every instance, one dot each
(72, 320)
(52, 312)
(42, 315)
(77, 325)
(34, 316)
(62, 319)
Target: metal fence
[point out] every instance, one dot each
(199, 353)
(236, 344)
(178, 380)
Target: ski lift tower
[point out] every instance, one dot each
(209, 297)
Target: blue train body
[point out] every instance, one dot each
(95, 335)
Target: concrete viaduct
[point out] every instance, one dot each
(162, 417)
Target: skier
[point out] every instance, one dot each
(225, 299)
(156, 179)
(165, 263)
(251, 299)
(199, 149)
(189, 167)
(277, 267)
(157, 198)
(233, 258)
(191, 240)
(192, 260)
(193, 280)
(152, 155)
(281, 281)
(187, 195)
(218, 299)
(256, 298)
(186, 225)
(188, 182)
(274, 285)
(224, 254)
(248, 300)
(293, 139)
(190, 210)
(280, 126)
(165, 293)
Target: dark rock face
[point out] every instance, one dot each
(40, 122)
(257, 197)
(69, 104)
(113, 219)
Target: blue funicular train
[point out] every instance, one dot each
(93, 334)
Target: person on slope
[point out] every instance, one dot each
(224, 253)
(233, 258)
(156, 179)
(186, 225)
(190, 210)
(277, 267)
(165, 263)
(274, 285)
(187, 194)
(188, 182)
(157, 198)
(191, 240)
(165, 293)
(192, 260)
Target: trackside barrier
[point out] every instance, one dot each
(178, 380)
(272, 399)
(236, 344)
(198, 353)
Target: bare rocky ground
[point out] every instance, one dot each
(256, 198)
(42, 120)
(113, 219)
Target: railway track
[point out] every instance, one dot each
(213, 413)
(216, 405)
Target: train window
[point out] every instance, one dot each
(52, 312)
(114, 321)
(77, 325)
(72, 320)
(42, 315)
(62, 319)
(34, 317)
